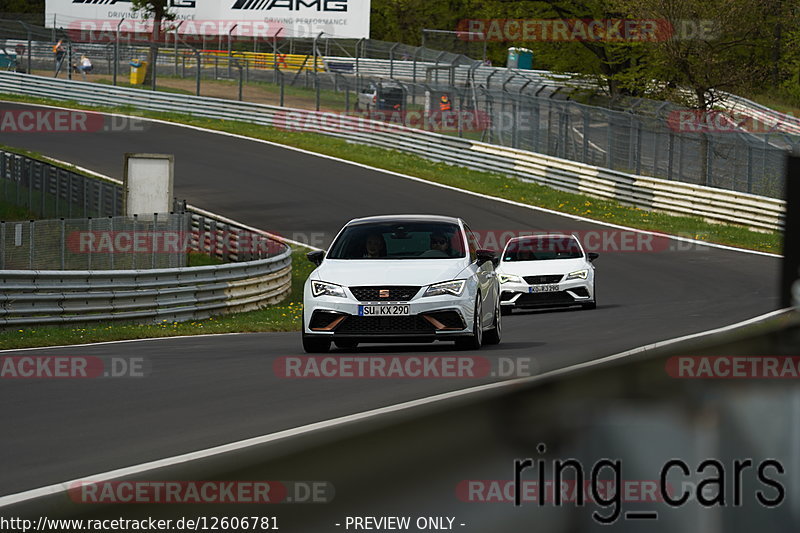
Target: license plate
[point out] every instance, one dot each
(543, 288)
(384, 310)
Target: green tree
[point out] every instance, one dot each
(726, 45)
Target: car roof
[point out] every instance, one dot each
(404, 218)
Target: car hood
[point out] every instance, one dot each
(354, 272)
(550, 266)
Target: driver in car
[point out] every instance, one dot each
(441, 243)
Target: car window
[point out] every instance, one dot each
(542, 249)
(399, 240)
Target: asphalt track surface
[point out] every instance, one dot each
(207, 391)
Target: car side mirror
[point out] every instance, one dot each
(485, 255)
(593, 256)
(316, 256)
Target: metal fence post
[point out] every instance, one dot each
(709, 161)
(63, 243)
(153, 248)
(135, 253)
(199, 57)
(2, 245)
(31, 244)
(89, 258)
(585, 148)
(749, 169)
(670, 153)
(638, 147)
(609, 140)
(112, 253)
(316, 91)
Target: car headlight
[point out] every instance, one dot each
(578, 274)
(509, 278)
(448, 287)
(322, 288)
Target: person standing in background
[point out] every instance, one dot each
(59, 52)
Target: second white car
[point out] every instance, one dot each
(546, 271)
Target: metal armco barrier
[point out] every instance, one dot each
(673, 197)
(42, 297)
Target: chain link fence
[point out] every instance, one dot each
(49, 191)
(162, 240)
(512, 108)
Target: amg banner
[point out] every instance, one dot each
(244, 18)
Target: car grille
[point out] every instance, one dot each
(541, 280)
(545, 298)
(396, 293)
(385, 325)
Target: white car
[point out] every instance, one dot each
(546, 271)
(402, 278)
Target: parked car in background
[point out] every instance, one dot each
(381, 96)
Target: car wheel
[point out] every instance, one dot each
(314, 344)
(593, 303)
(493, 335)
(474, 341)
(346, 345)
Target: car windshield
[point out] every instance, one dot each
(542, 248)
(399, 240)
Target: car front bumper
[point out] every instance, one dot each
(572, 292)
(429, 319)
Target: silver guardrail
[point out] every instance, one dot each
(42, 297)
(672, 197)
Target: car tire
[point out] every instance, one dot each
(313, 344)
(346, 345)
(494, 335)
(475, 340)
